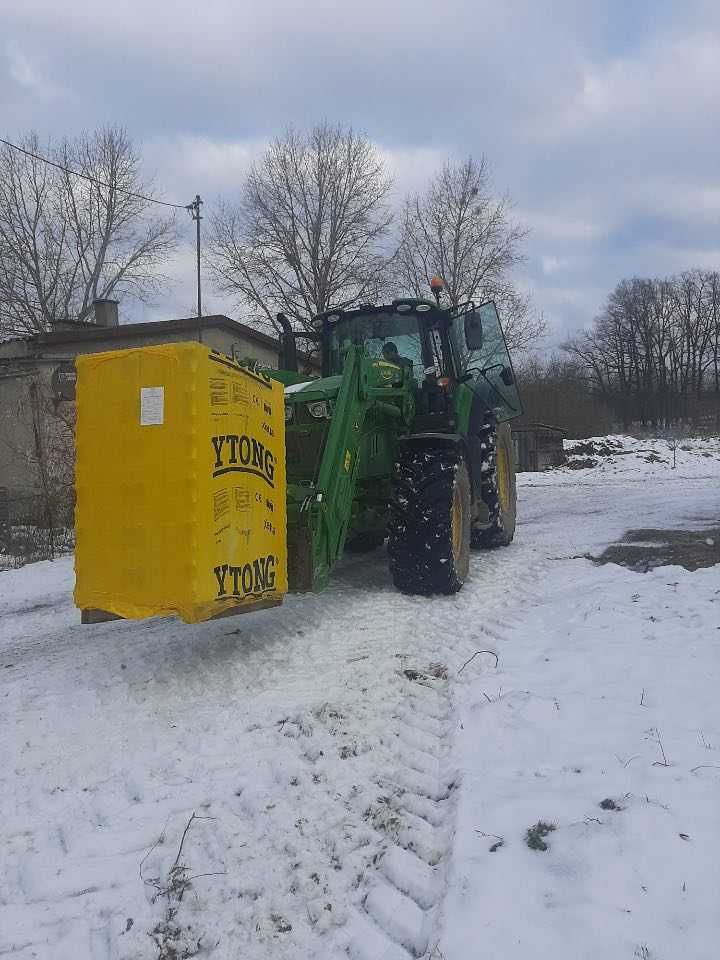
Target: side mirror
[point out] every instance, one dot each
(473, 330)
(506, 375)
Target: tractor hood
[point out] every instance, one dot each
(322, 389)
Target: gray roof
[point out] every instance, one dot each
(86, 333)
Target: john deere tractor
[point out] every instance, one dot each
(405, 436)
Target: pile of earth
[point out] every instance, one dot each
(586, 454)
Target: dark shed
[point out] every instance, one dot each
(538, 446)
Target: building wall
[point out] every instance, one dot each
(27, 364)
(16, 435)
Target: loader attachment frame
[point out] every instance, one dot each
(320, 512)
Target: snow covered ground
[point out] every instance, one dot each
(363, 779)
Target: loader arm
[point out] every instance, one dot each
(319, 513)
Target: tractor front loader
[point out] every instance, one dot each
(404, 435)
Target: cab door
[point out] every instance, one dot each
(488, 368)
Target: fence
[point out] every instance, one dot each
(33, 528)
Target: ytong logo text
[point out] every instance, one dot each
(239, 453)
(253, 578)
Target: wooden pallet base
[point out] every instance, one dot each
(236, 611)
(93, 616)
(97, 616)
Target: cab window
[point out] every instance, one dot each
(378, 335)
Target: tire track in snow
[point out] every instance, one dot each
(398, 912)
(398, 915)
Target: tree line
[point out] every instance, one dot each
(652, 355)
(556, 391)
(314, 224)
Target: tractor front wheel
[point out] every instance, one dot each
(429, 525)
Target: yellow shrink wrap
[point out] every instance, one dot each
(180, 480)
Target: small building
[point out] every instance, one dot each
(37, 384)
(538, 446)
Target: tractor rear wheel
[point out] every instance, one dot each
(498, 488)
(429, 525)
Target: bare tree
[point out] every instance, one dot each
(522, 324)
(653, 351)
(309, 229)
(65, 240)
(460, 232)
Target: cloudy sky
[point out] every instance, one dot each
(599, 118)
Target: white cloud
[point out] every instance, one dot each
(412, 167)
(654, 95)
(28, 76)
(552, 264)
(185, 164)
(561, 225)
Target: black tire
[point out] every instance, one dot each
(365, 542)
(496, 442)
(429, 525)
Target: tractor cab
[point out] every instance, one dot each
(442, 350)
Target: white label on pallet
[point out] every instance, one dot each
(152, 406)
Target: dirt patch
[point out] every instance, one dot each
(436, 671)
(535, 836)
(641, 550)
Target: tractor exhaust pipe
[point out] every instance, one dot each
(288, 347)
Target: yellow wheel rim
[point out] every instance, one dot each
(457, 523)
(503, 479)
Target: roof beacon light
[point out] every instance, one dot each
(437, 286)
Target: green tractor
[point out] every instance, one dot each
(405, 436)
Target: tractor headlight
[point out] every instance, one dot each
(319, 410)
(288, 412)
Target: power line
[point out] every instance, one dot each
(102, 183)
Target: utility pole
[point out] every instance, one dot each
(194, 211)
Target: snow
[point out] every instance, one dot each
(298, 387)
(632, 460)
(351, 763)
